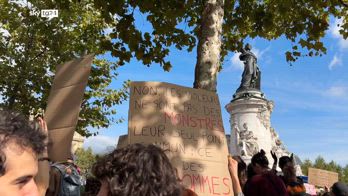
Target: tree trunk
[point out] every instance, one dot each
(209, 46)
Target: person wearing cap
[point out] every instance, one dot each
(294, 185)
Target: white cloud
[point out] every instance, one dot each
(100, 143)
(260, 53)
(236, 64)
(336, 61)
(337, 91)
(334, 30)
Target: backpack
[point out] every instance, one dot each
(69, 183)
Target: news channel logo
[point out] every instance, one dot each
(47, 13)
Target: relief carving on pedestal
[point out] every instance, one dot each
(270, 106)
(263, 116)
(264, 113)
(277, 145)
(247, 142)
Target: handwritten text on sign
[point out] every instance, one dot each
(321, 177)
(187, 124)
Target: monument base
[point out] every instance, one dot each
(248, 93)
(251, 129)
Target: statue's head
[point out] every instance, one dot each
(248, 47)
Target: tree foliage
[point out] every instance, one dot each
(305, 165)
(320, 163)
(32, 46)
(178, 23)
(85, 160)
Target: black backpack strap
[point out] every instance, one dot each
(61, 168)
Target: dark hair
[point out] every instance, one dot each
(250, 171)
(340, 189)
(283, 161)
(138, 170)
(92, 186)
(17, 128)
(260, 158)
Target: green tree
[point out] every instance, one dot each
(32, 46)
(85, 160)
(333, 166)
(345, 174)
(215, 27)
(305, 165)
(320, 163)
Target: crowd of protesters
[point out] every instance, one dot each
(135, 170)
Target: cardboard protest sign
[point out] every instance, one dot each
(187, 124)
(64, 104)
(122, 141)
(321, 177)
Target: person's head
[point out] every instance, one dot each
(339, 189)
(259, 162)
(286, 164)
(137, 170)
(71, 158)
(248, 47)
(242, 170)
(20, 143)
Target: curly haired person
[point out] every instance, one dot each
(137, 170)
(21, 142)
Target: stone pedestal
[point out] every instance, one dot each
(250, 124)
(251, 131)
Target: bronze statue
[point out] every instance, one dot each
(251, 74)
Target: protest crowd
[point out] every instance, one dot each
(135, 170)
(176, 144)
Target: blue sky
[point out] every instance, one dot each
(311, 97)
